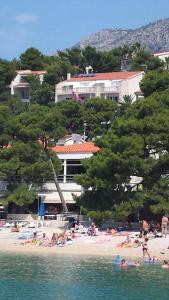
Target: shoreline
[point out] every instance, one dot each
(76, 250)
(101, 245)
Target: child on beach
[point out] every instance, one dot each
(145, 248)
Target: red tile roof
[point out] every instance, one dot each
(160, 52)
(107, 76)
(27, 72)
(77, 148)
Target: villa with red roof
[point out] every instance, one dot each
(20, 87)
(70, 153)
(161, 54)
(114, 85)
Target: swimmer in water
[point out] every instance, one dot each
(165, 265)
(137, 263)
(123, 263)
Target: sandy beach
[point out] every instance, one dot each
(102, 244)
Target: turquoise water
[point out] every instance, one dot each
(65, 277)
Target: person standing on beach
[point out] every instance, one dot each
(145, 228)
(164, 225)
(145, 248)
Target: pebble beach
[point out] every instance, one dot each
(99, 245)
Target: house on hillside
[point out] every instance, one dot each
(70, 151)
(114, 85)
(70, 156)
(164, 57)
(161, 54)
(20, 87)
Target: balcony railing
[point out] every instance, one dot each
(88, 90)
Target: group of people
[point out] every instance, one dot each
(78, 228)
(57, 239)
(158, 230)
(137, 263)
(124, 263)
(121, 262)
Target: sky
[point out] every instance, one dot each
(50, 25)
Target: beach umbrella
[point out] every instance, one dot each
(42, 209)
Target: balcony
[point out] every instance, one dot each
(21, 85)
(114, 89)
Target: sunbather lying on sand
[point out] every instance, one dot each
(32, 241)
(112, 231)
(126, 242)
(129, 243)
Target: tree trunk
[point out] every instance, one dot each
(64, 206)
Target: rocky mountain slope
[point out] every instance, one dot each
(154, 36)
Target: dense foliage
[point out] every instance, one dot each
(136, 146)
(133, 137)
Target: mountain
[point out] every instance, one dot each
(154, 36)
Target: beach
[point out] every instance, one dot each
(100, 245)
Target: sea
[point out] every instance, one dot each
(59, 277)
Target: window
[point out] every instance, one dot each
(74, 167)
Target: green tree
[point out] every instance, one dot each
(32, 59)
(41, 93)
(136, 145)
(154, 81)
(7, 73)
(99, 114)
(29, 160)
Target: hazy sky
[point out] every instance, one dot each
(53, 24)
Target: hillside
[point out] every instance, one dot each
(154, 36)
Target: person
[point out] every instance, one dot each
(126, 242)
(62, 238)
(164, 225)
(152, 227)
(110, 231)
(155, 259)
(145, 248)
(15, 228)
(78, 226)
(137, 263)
(31, 241)
(145, 228)
(165, 265)
(54, 239)
(73, 235)
(123, 263)
(158, 227)
(44, 240)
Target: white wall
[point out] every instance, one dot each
(130, 86)
(78, 156)
(125, 87)
(162, 56)
(134, 85)
(15, 82)
(72, 187)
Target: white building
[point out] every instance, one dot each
(70, 156)
(114, 85)
(20, 87)
(161, 55)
